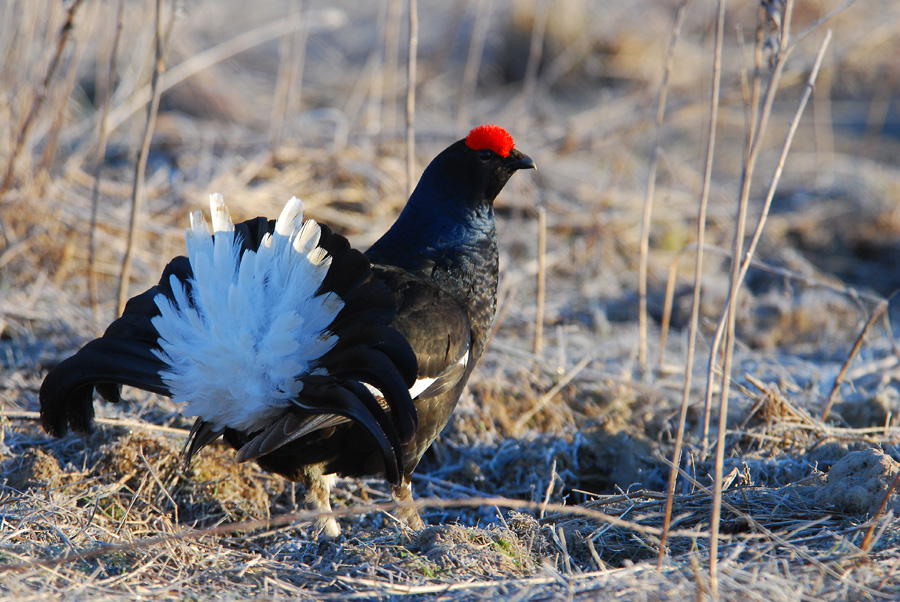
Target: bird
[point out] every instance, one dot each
(307, 356)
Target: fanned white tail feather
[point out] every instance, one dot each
(253, 324)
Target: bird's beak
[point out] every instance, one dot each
(519, 160)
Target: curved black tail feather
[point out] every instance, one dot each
(367, 351)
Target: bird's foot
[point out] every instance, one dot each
(318, 497)
(326, 527)
(406, 511)
(411, 517)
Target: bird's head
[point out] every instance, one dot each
(470, 173)
(479, 166)
(452, 206)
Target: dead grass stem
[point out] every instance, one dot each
(647, 214)
(137, 193)
(412, 50)
(698, 277)
(880, 309)
(730, 313)
(37, 102)
(102, 139)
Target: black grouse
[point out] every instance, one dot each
(307, 356)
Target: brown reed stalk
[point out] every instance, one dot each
(137, 195)
(389, 75)
(879, 310)
(669, 300)
(412, 50)
(868, 540)
(698, 273)
(751, 115)
(770, 195)
(541, 281)
(102, 138)
(291, 50)
(785, 149)
(549, 395)
(731, 312)
(535, 51)
(651, 188)
(473, 61)
(756, 126)
(37, 103)
(776, 177)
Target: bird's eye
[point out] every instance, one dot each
(485, 154)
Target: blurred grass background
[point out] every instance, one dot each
(319, 112)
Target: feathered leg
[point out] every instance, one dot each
(409, 514)
(318, 497)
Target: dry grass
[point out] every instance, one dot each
(550, 481)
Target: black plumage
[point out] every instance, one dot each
(418, 304)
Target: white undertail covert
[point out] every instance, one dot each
(251, 325)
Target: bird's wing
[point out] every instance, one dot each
(436, 326)
(124, 355)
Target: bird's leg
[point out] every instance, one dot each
(408, 513)
(318, 497)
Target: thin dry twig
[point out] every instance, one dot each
(102, 138)
(815, 25)
(736, 278)
(868, 540)
(118, 422)
(665, 322)
(698, 273)
(137, 195)
(382, 587)
(770, 195)
(751, 115)
(651, 187)
(541, 281)
(549, 395)
(551, 482)
(880, 309)
(37, 102)
(411, 97)
(162, 487)
(291, 55)
(473, 61)
(805, 279)
(785, 150)
(774, 537)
